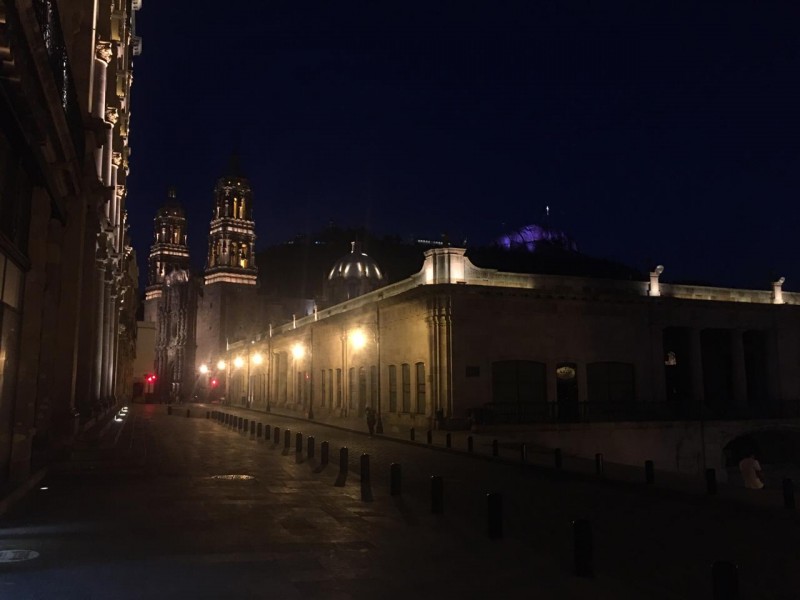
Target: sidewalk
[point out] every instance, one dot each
(509, 451)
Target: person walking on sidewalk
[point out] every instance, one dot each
(371, 420)
(751, 472)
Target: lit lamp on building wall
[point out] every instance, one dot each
(298, 354)
(357, 341)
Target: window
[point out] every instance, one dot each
(421, 408)
(322, 391)
(406, 374)
(373, 386)
(393, 388)
(339, 388)
(351, 388)
(330, 387)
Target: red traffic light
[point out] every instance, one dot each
(214, 382)
(150, 378)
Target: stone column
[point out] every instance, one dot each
(102, 57)
(100, 276)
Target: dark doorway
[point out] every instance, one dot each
(717, 372)
(567, 391)
(755, 366)
(678, 370)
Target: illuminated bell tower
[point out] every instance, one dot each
(168, 252)
(232, 238)
(227, 306)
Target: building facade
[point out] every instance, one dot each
(68, 272)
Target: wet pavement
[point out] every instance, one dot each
(175, 507)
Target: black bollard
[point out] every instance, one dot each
(260, 431)
(298, 447)
(558, 458)
(494, 505)
(470, 447)
(411, 433)
(430, 437)
(788, 494)
(523, 453)
(437, 495)
(341, 479)
(448, 441)
(598, 464)
(582, 540)
(276, 436)
(287, 439)
(495, 448)
(649, 472)
(267, 434)
(725, 577)
(366, 488)
(245, 426)
(208, 415)
(395, 480)
(241, 423)
(323, 453)
(711, 481)
(253, 428)
(188, 414)
(310, 447)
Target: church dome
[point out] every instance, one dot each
(356, 266)
(353, 275)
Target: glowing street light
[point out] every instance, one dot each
(298, 351)
(221, 365)
(358, 339)
(257, 359)
(238, 362)
(203, 369)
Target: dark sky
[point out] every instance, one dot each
(656, 135)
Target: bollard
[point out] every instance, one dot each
(245, 426)
(582, 541)
(208, 414)
(395, 480)
(711, 481)
(323, 454)
(557, 456)
(260, 431)
(287, 439)
(276, 436)
(169, 410)
(598, 464)
(494, 506)
(225, 418)
(448, 441)
(267, 434)
(437, 495)
(788, 494)
(523, 452)
(430, 437)
(310, 450)
(253, 428)
(411, 433)
(469, 444)
(241, 423)
(495, 448)
(649, 472)
(298, 445)
(725, 577)
(188, 414)
(343, 464)
(366, 489)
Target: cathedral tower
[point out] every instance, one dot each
(168, 252)
(227, 307)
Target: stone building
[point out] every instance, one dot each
(66, 264)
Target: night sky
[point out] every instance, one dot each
(667, 135)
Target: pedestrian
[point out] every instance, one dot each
(371, 420)
(750, 469)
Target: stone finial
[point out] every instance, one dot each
(777, 291)
(112, 114)
(655, 285)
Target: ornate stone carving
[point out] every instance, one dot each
(112, 114)
(116, 159)
(103, 51)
